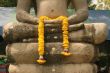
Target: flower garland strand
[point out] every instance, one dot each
(65, 24)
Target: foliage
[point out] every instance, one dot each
(100, 5)
(3, 60)
(89, 1)
(91, 7)
(103, 5)
(8, 3)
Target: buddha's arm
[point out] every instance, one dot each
(23, 12)
(81, 11)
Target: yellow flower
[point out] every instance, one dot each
(41, 35)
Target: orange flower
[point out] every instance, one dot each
(41, 36)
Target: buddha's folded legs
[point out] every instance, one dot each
(24, 30)
(27, 53)
(88, 32)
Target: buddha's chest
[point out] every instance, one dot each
(51, 8)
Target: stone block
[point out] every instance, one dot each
(89, 32)
(27, 53)
(62, 68)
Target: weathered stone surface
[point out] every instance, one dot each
(12, 31)
(60, 68)
(100, 32)
(27, 53)
(93, 32)
(74, 36)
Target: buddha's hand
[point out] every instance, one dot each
(53, 21)
(36, 20)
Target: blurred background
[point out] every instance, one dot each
(99, 11)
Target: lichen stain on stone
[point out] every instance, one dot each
(53, 50)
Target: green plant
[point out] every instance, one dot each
(3, 60)
(8, 3)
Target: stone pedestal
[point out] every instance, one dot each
(28, 53)
(64, 68)
(22, 53)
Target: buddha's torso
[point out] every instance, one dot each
(51, 8)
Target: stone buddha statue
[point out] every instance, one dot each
(22, 37)
(55, 9)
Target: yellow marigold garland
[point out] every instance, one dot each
(65, 24)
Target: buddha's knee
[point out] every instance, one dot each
(10, 30)
(100, 32)
(7, 28)
(13, 30)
